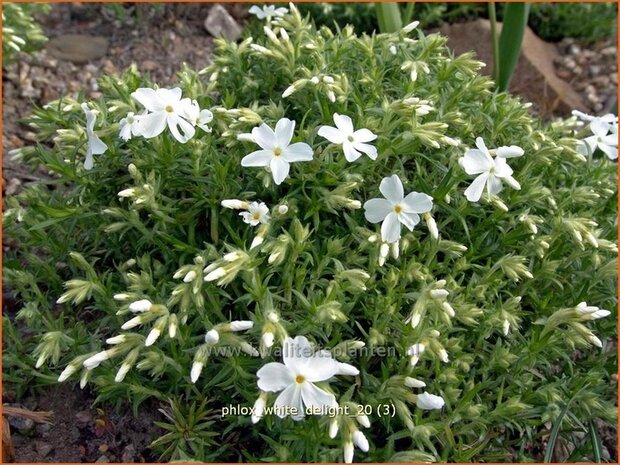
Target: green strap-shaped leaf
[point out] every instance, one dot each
(510, 40)
(388, 16)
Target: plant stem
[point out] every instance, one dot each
(388, 16)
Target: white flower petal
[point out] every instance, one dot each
(335, 136)
(599, 127)
(417, 202)
(279, 169)
(317, 398)
(274, 377)
(264, 137)
(290, 397)
(299, 151)
(481, 146)
(390, 229)
(409, 220)
(611, 152)
(349, 151)
(494, 185)
(364, 135)
(368, 149)
(181, 130)
(376, 210)
(296, 352)
(474, 191)
(476, 162)
(96, 145)
(344, 123)
(149, 99)
(502, 169)
(284, 132)
(392, 189)
(258, 158)
(320, 367)
(153, 124)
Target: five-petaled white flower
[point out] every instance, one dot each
(601, 138)
(277, 151)
(295, 377)
(396, 209)
(257, 213)
(130, 126)
(166, 108)
(198, 117)
(95, 146)
(267, 11)
(492, 172)
(353, 142)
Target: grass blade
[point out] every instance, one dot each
(597, 447)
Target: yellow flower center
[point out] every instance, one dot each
(169, 109)
(256, 216)
(299, 379)
(277, 152)
(398, 209)
(350, 139)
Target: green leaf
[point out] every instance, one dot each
(510, 40)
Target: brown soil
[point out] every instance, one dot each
(81, 433)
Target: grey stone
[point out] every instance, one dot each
(219, 23)
(77, 48)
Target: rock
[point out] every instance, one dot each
(219, 23)
(103, 459)
(148, 65)
(77, 48)
(21, 424)
(129, 454)
(43, 448)
(43, 429)
(84, 416)
(534, 77)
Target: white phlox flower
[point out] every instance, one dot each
(267, 11)
(257, 213)
(353, 142)
(396, 209)
(604, 137)
(198, 117)
(130, 126)
(491, 172)
(95, 145)
(277, 152)
(296, 378)
(165, 108)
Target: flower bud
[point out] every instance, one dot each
(333, 428)
(427, 401)
(235, 204)
(259, 408)
(140, 306)
(212, 337)
(360, 441)
(241, 325)
(414, 383)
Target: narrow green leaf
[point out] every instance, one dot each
(388, 16)
(510, 40)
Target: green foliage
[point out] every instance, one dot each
(586, 22)
(520, 259)
(20, 31)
